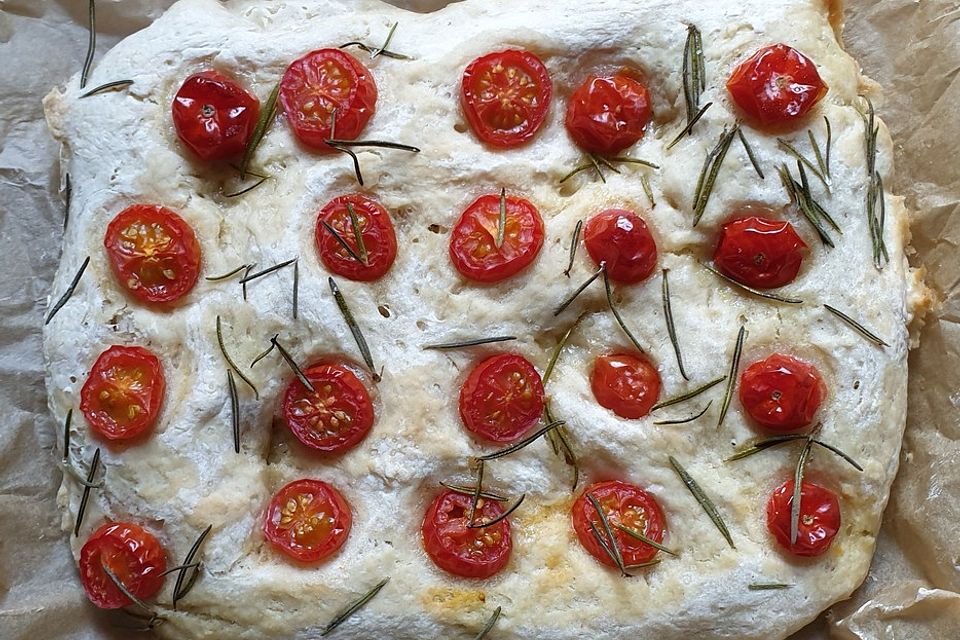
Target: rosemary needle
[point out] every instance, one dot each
(353, 326)
(859, 328)
(797, 490)
(460, 344)
(342, 242)
(687, 129)
(636, 535)
(231, 363)
(69, 292)
(569, 300)
(767, 586)
(517, 446)
(616, 313)
(688, 395)
(732, 376)
(487, 627)
(268, 270)
(357, 234)
(499, 518)
(574, 243)
(91, 44)
(234, 410)
(263, 123)
(353, 608)
(605, 522)
(94, 465)
(292, 364)
(116, 84)
(751, 290)
(684, 420)
(227, 275)
(469, 491)
(703, 499)
(502, 221)
(179, 589)
(671, 327)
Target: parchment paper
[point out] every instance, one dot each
(912, 47)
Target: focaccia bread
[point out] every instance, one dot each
(182, 475)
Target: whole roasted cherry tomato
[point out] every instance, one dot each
(625, 505)
(122, 395)
(134, 557)
(308, 520)
(776, 85)
(759, 252)
(376, 231)
(626, 384)
(781, 392)
(622, 240)
(458, 548)
(506, 96)
(607, 114)
(819, 518)
(321, 83)
(502, 398)
(214, 116)
(153, 253)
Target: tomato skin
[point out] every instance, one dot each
(122, 378)
(291, 521)
(819, 518)
(473, 249)
(132, 554)
(622, 240)
(153, 253)
(457, 549)
(320, 82)
(506, 96)
(502, 398)
(214, 116)
(782, 393)
(379, 238)
(626, 384)
(759, 252)
(345, 399)
(607, 114)
(777, 85)
(626, 504)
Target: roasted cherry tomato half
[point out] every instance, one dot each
(759, 252)
(506, 96)
(128, 551)
(308, 520)
(122, 395)
(153, 253)
(321, 82)
(455, 547)
(376, 231)
(781, 392)
(776, 85)
(214, 116)
(626, 505)
(333, 418)
(819, 518)
(626, 384)
(608, 114)
(502, 398)
(473, 242)
(622, 241)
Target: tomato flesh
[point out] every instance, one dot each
(607, 114)
(153, 253)
(376, 230)
(122, 395)
(461, 550)
(819, 518)
(781, 392)
(214, 116)
(132, 554)
(323, 82)
(626, 384)
(624, 504)
(506, 96)
(777, 85)
(308, 520)
(502, 398)
(759, 252)
(337, 416)
(621, 240)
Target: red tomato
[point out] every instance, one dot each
(122, 395)
(626, 384)
(776, 85)
(819, 518)
(321, 82)
(759, 252)
(379, 239)
(622, 240)
(460, 550)
(335, 418)
(502, 398)
(132, 554)
(214, 116)
(608, 114)
(308, 520)
(782, 393)
(473, 247)
(506, 96)
(624, 504)
(153, 253)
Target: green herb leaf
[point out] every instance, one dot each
(353, 608)
(265, 352)
(689, 128)
(461, 344)
(292, 364)
(469, 491)
(354, 327)
(605, 522)
(859, 328)
(616, 313)
(826, 120)
(69, 292)
(233, 365)
(125, 591)
(66, 435)
(492, 621)
(247, 189)
(343, 243)
(91, 43)
(268, 270)
(751, 290)
(756, 447)
(750, 156)
(688, 395)
(180, 590)
(67, 197)
(711, 169)
(671, 327)
(684, 420)
(94, 465)
(502, 222)
(379, 51)
(732, 376)
(566, 303)
(647, 189)
(227, 275)
(116, 84)
(296, 288)
(574, 243)
(799, 157)
(234, 410)
(636, 535)
(797, 489)
(502, 516)
(357, 234)
(517, 446)
(767, 586)
(703, 499)
(267, 116)
(694, 71)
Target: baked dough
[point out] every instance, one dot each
(120, 149)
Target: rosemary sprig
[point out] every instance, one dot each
(487, 627)
(502, 221)
(799, 157)
(593, 162)
(767, 586)
(91, 475)
(502, 516)
(91, 44)
(574, 243)
(230, 362)
(343, 243)
(263, 123)
(116, 84)
(469, 491)
(605, 522)
(357, 234)
(354, 327)
(180, 590)
(234, 410)
(125, 591)
(292, 364)
(259, 274)
(683, 397)
(703, 499)
(245, 190)
(671, 327)
(809, 207)
(689, 127)
(859, 328)
(616, 313)
(684, 420)
(751, 290)
(478, 488)
(69, 292)
(694, 71)
(569, 300)
(732, 376)
(227, 275)
(67, 197)
(379, 51)
(711, 169)
(265, 352)
(647, 189)
(750, 156)
(797, 490)
(874, 187)
(817, 153)
(517, 446)
(461, 344)
(353, 608)
(636, 535)
(296, 288)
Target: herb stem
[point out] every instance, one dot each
(684, 420)
(689, 127)
(469, 491)
(227, 275)
(499, 518)
(234, 410)
(636, 535)
(605, 522)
